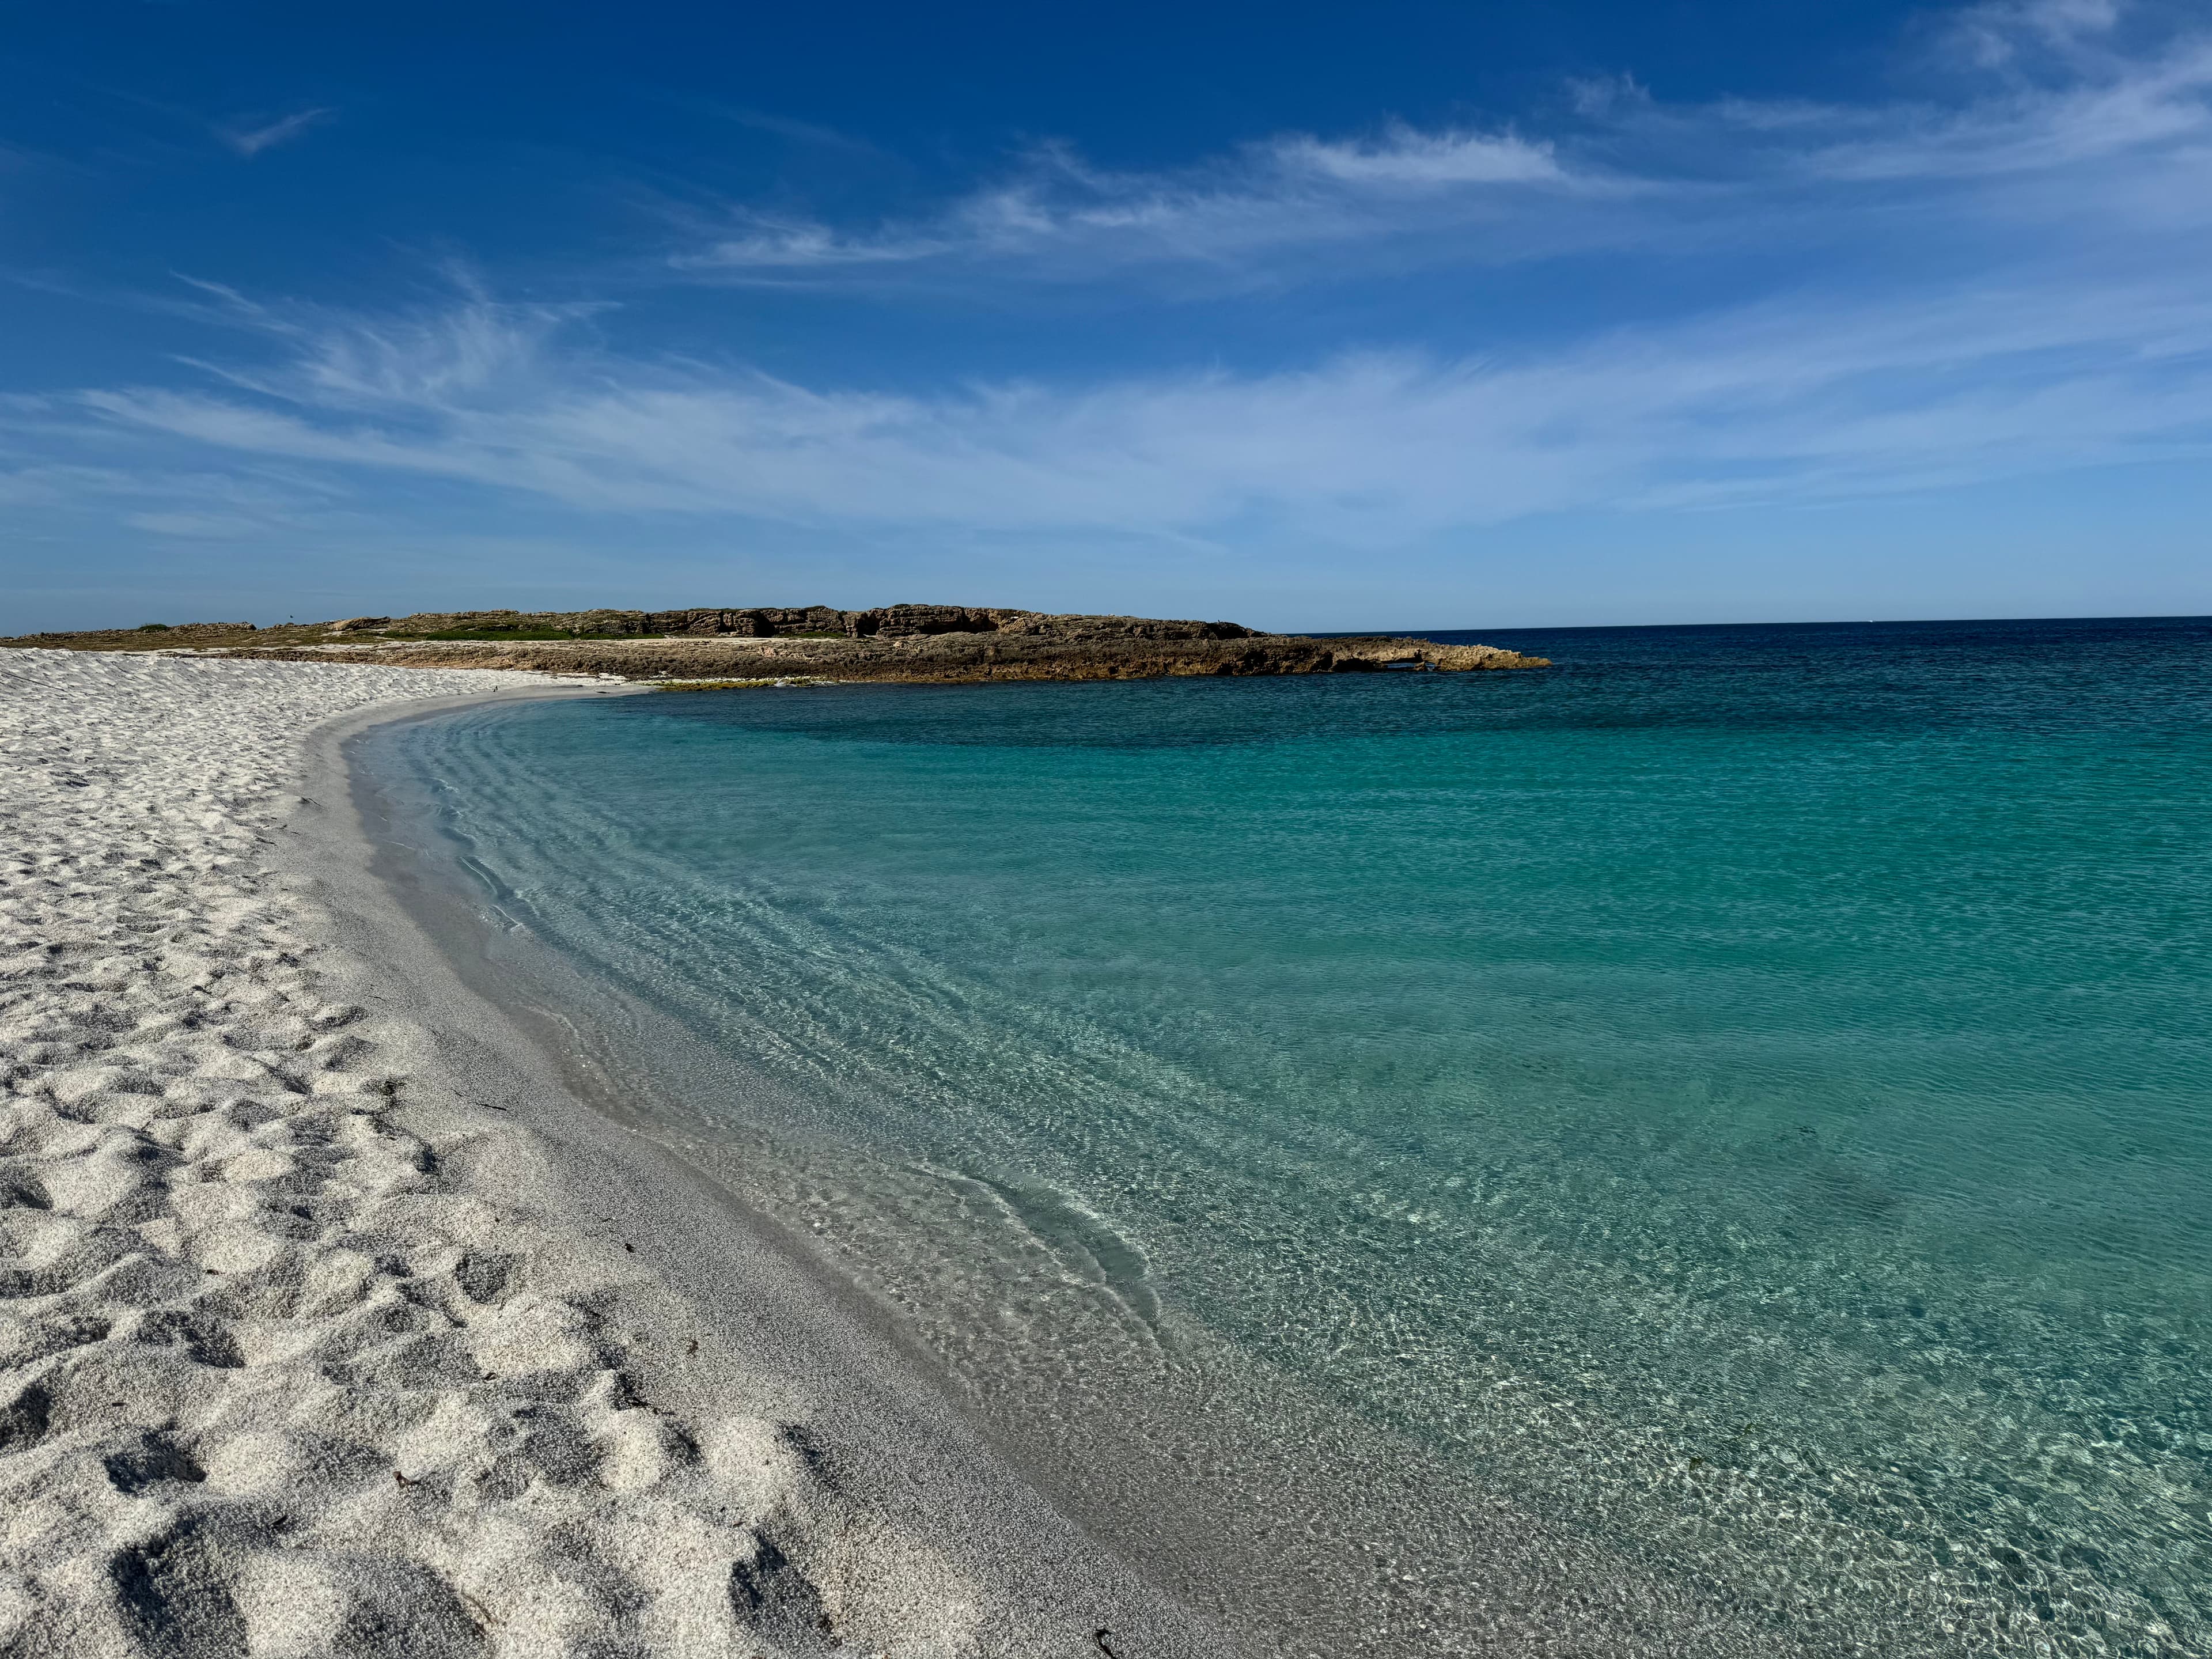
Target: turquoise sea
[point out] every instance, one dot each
(1736, 1106)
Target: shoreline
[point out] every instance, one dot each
(738, 1267)
(295, 1347)
(395, 1366)
(1189, 1468)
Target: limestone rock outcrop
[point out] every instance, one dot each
(918, 642)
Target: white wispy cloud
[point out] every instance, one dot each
(2046, 97)
(2000, 34)
(767, 243)
(1408, 159)
(2037, 306)
(1805, 398)
(812, 133)
(171, 500)
(1059, 211)
(249, 139)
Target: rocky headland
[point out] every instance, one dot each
(912, 643)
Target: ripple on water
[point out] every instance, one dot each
(1739, 1099)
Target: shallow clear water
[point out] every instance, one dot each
(1743, 1093)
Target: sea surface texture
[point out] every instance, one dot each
(1740, 1100)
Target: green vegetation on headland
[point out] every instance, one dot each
(771, 644)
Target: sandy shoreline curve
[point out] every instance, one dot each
(334, 1322)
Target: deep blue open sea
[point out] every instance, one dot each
(1742, 1097)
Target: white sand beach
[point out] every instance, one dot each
(331, 1323)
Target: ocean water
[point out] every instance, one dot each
(1736, 1105)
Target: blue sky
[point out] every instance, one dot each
(1311, 316)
